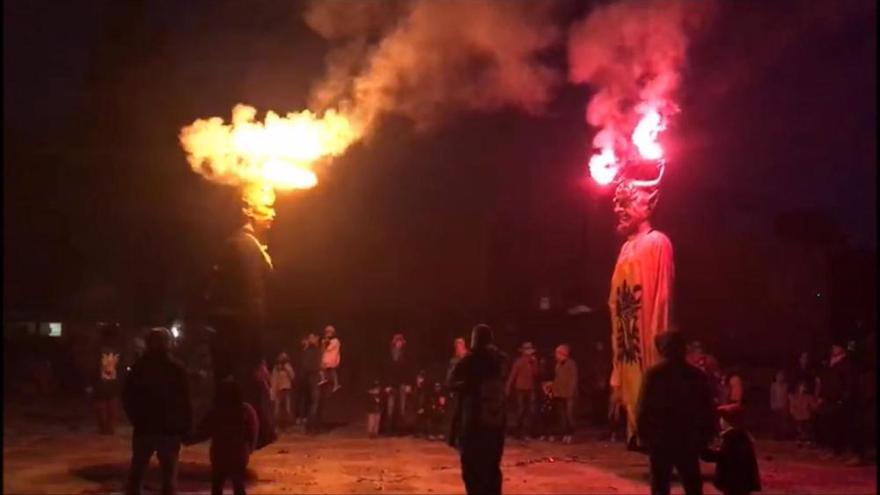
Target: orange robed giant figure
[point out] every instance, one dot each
(641, 295)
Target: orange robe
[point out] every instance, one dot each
(640, 304)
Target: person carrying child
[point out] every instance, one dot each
(232, 426)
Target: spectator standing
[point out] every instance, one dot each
(675, 417)
(565, 389)
(478, 380)
(838, 414)
(521, 385)
(107, 391)
(232, 426)
(399, 375)
(312, 376)
(438, 413)
(779, 405)
(805, 372)
(157, 402)
(422, 404)
(283, 377)
(802, 405)
(374, 409)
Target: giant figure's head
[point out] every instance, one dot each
(634, 205)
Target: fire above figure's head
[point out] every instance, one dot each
(261, 158)
(614, 154)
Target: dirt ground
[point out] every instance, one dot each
(58, 452)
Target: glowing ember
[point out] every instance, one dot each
(645, 135)
(262, 157)
(603, 166)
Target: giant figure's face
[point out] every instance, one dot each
(633, 206)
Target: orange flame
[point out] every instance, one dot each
(263, 157)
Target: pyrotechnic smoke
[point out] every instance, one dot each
(424, 59)
(632, 53)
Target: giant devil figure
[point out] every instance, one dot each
(641, 292)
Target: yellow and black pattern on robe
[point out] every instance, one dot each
(640, 303)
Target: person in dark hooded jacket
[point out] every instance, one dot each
(479, 419)
(157, 402)
(675, 417)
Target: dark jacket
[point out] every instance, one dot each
(233, 435)
(399, 372)
(422, 398)
(156, 396)
(676, 411)
(311, 361)
(837, 384)
(478, 381)
(523, 374)
(238, 282)
(737, 467)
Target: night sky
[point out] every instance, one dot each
(778, 116)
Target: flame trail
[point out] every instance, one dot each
(632, 53)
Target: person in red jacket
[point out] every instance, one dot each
(232, 426)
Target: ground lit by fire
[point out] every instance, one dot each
(54, 450)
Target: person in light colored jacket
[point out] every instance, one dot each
(282, 385)
(565, 386)
(331, 357)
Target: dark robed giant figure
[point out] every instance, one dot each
(237, 312)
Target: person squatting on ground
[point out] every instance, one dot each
(565, 391)
(106, 392)
(779, 406)
(157, 402)
(802, 406)
(283, 377)
(375, 403)
(675, 417)
(331, 357)
(521, 386)
(736, 467)
(232, 426)
(398, 375)
(479, 418)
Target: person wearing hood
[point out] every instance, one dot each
(675, 417)
(156, 400)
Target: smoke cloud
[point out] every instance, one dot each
(425, 59)
(632, 53)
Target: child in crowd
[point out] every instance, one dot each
(437, 420)
(422, 404)
(779, 405)
(282, 383)
(546, 413)
(736, 470)
(802, 405)
(375, 405)
(232, 427)
(331, 357)
(616, 420)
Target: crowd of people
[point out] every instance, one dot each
(814, 405)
